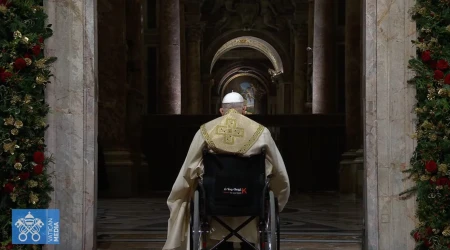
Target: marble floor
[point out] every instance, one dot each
(309, 221)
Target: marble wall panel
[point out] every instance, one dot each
(388, 104)
(71, 137)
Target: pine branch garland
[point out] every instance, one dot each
(24, 73)
(429, 166)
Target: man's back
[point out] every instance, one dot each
(230, 133)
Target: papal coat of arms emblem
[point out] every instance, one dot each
(29, 225)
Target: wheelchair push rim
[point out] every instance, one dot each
(270, 237)
(195, 223)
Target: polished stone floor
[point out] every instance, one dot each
(309, 221)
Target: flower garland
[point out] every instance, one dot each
(429, 164)
(24, 73)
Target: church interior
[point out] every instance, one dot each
(164, 67)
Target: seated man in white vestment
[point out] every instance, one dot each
(254, 138)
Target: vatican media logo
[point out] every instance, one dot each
(35, 226)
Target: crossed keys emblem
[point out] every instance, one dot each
(27, 225)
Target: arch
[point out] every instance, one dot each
(244, 66)
(251, 42)
(240, 74)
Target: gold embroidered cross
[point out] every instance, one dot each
(230, 131)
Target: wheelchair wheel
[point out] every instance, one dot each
(271, 224)
(195, 223)
(277, 214)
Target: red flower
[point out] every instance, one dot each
(431, 166)
(10, 245)
(41, 39)
(442, 64)
(9, 188)
(20, 64)
(447, 79)
(36, 50)
(38, 169)
(417, 236)
(24, 176)
(4, 75)
(27, 56)
(429, 231)
(5, 3)
(438, 75)
(443, 181)
(427, 243)
(426, 56)
(38, 157)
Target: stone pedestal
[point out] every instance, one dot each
(347, 174)
(353, 114)
(323, 80)
(300, 32)
(71, 137)
(169, 60)
(194, 83)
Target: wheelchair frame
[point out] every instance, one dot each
(268, 226)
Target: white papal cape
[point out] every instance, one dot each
(234, 133)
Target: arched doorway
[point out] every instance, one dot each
(248, 65)
(250, 87)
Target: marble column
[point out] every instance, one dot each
(72, 134)
(323, 80)
(136, 98)
(310, 55)
(300, 64)
(112, 53)
(115, 86)
(194, 82)
(280, 97)
(353, 115)
(389, 123)
(170, 57)
(184, 86)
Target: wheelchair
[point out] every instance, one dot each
(234, 186)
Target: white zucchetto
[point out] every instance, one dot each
(232, 97)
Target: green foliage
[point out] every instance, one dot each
(24, 73)
(429, 165)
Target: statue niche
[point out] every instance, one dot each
(249, 14)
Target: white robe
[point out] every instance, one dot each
(248, 140)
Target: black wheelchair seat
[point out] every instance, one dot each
(233, 185)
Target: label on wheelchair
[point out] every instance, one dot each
(235, 191)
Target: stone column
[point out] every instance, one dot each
(184, 100)
(323, 80)
(136, 97)
(113, 82)
(389, 123)
(353, 114)
(193, 70)
(300, 63)
(169, 59)
(310, 55)
(280, 97)
(72, 135)
(115, 85)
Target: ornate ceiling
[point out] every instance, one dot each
(272, 15)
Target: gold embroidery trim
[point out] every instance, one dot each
(206, 136)
(252, 140)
